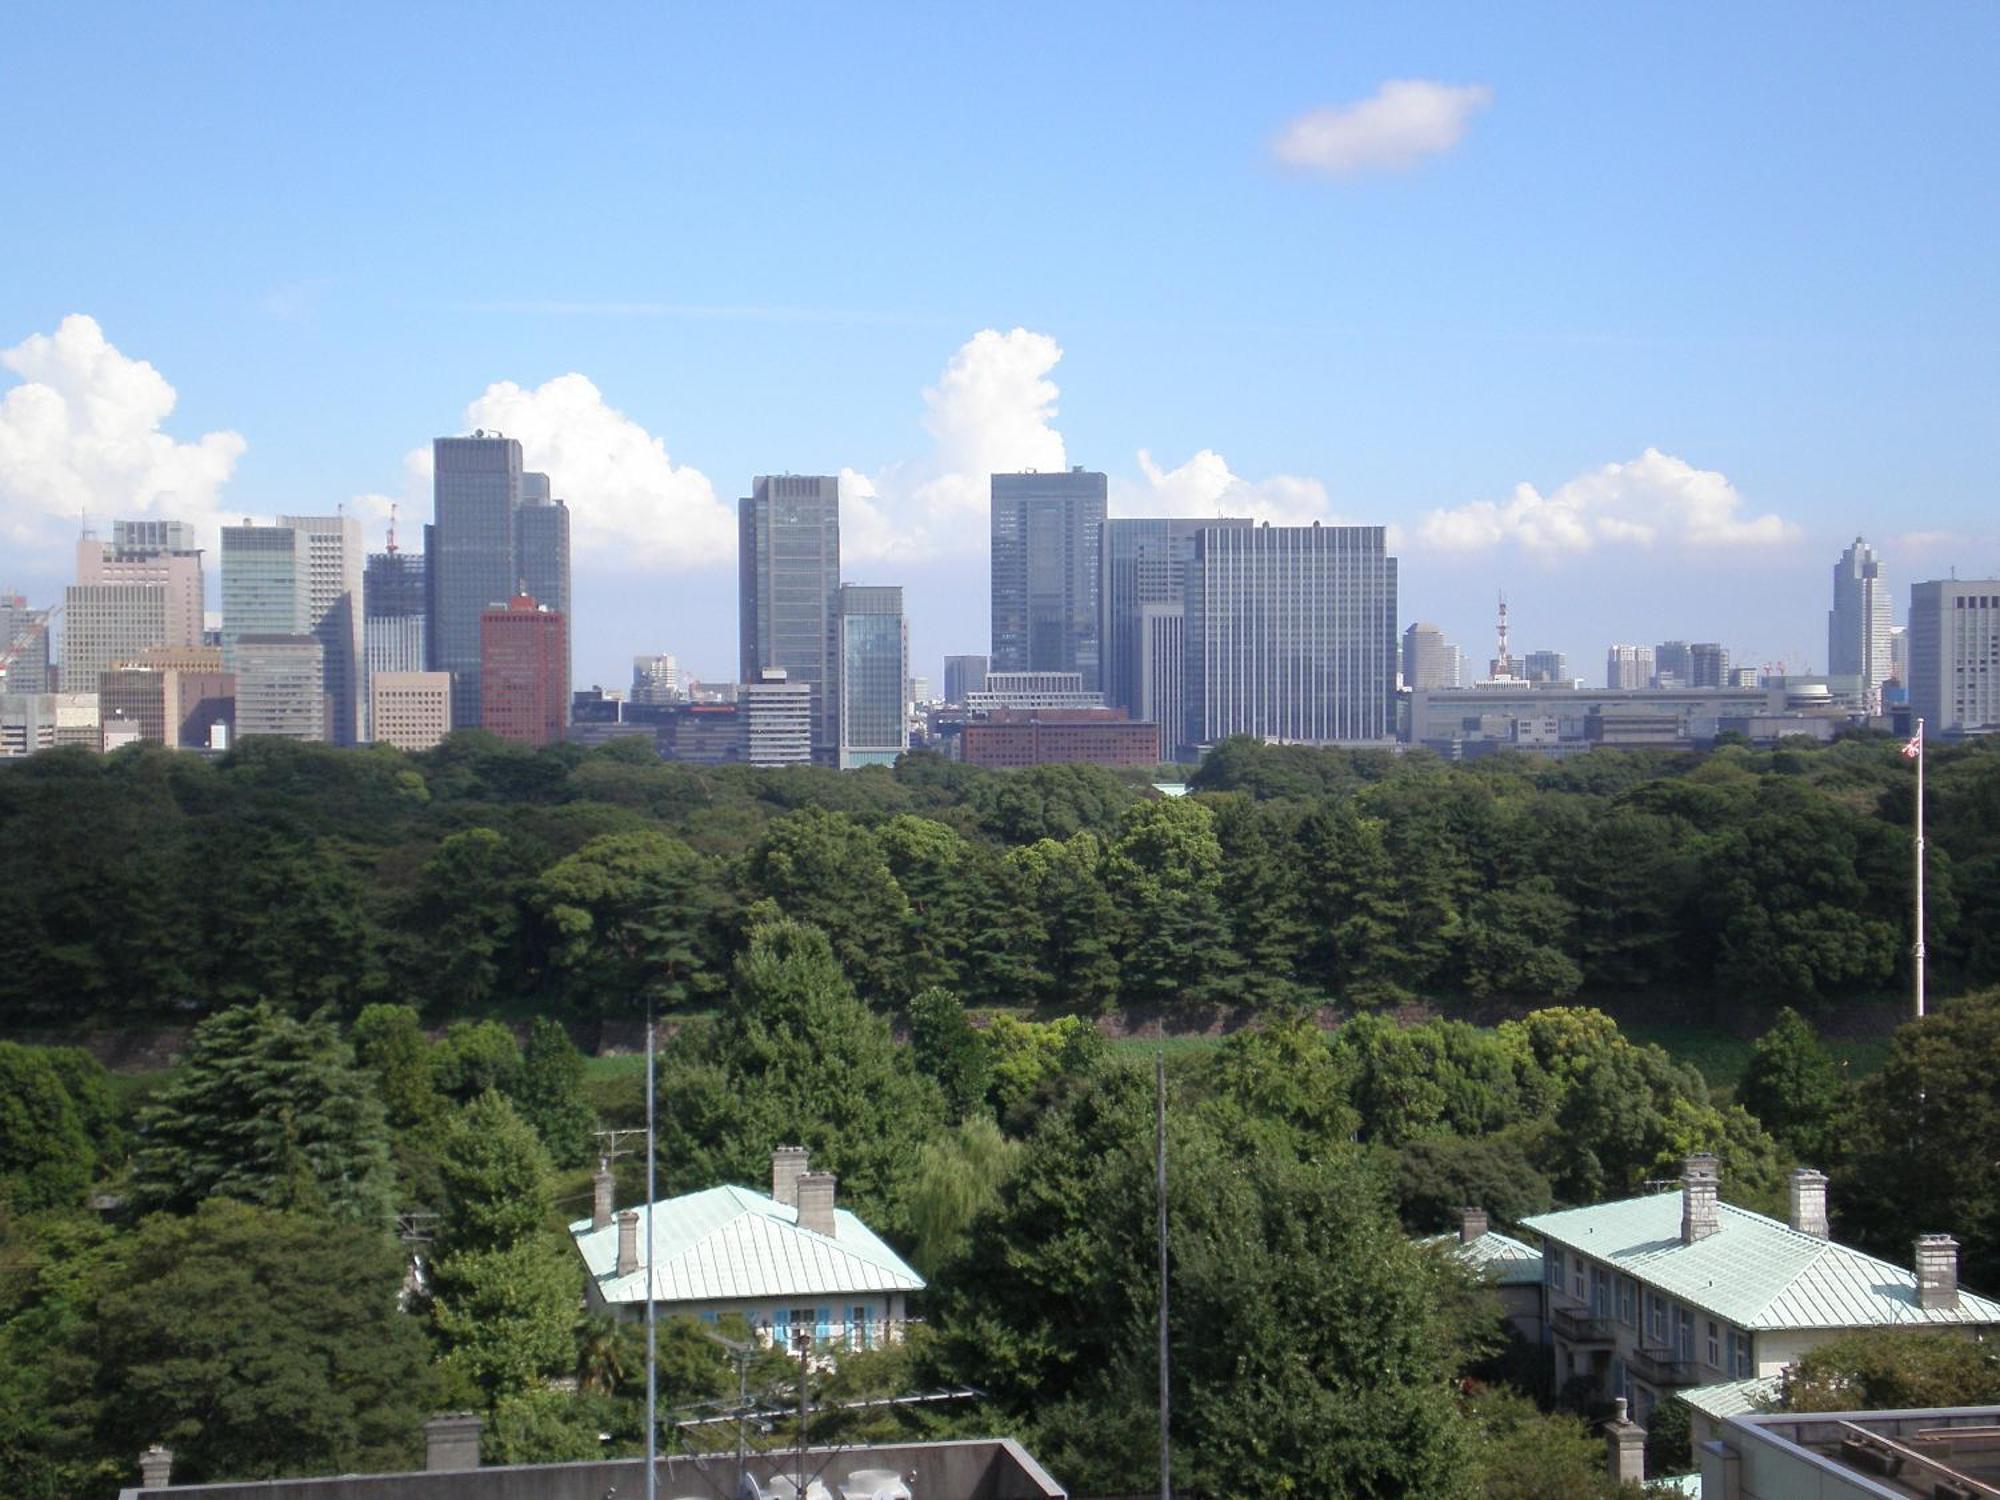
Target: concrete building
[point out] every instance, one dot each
(30, 722)
(280, 686)
(963, 675)
(1628, 667)
(1708, 665)
(1679, 1293)
(657, 679)
(1032, 690)
(1918, 1454)
(523, 672)
(1292, 636)
(104, 623)
(26, 662)
(1673, 665)
(410, 710)
(1858, 625)
(1047, 562)
(1546, 667)
(1003, 738)
(336, 567)
(1143, 604)
(173, 696)
(266, 584)
(161, 554)
(789, 1263)
(1512, 1269)
(874, 672)
(1954, 646)
(1559, 719)
(788, 576)
(1429, 661)
(541, 543)
(776, 715)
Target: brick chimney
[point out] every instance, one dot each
(1625, 1447)
(1937, 1272)
(628, 1242)
(1471, 1224)
(1808, 1192)
(600, 1195)
(816, 1202)
(156, 1468)
(1701, 1189)
(451, 1441)
(788, 1165)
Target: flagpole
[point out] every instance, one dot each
(1917, 953)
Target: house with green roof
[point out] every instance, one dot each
(1511, 1268)
(1680, 1293)
(791, 1264)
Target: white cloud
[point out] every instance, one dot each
(81, 435)
(1402, 122)
(630, 505)
(1205, 486)
(1652, 500)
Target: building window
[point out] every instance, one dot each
(1684, 1345)
(1628, 1302)
(1579, 1281)
(1714, 1345)
(859, 1333)
(1744, 1367)
(1552, 1268)
(801, 1322)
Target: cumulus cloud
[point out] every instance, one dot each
(1402, 122)
(1205, 486)
(629, 503)
(81, 435)
(1652, 500)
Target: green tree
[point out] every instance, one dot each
(464, 918)
(1352, 904)
(257, 1343)
(269, 1110)
(949, 1051)
(389, 1042)
(1889, 1369)
(46, 1155)
(630, 917)
(1164, 872)
(959, 1177)
(828, 870)
(496, 1173)
(1070, 915)
(1794, 1087)
(1261, 896)
(1526, 1454)
(473, 1057)
(550, 1093)
(49, 1403)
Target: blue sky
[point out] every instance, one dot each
(1716, 283)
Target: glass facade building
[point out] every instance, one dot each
(476, 488)
(874, 668)
(1858, 626)
(1143, 599)
(335, 569)
(788, 561)
(1291, 635)
(1047, 536)
(265, 577)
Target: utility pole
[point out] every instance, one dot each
(804, 1340)
(652, 1336)
(1917, 953)
(1160, 1192)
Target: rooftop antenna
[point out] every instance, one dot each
(1506, 662)
(392, 528)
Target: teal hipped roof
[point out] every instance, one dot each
(1757, 1272)
(729, 1244)
(1500, 1259)
(1733, 1398)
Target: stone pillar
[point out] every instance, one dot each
(1808, 1195)
(156, 1468)
(788, 1165)
(1625, 1448)
(628, 1242)
(601, 1195)
(816, 1202)
(1701, 1192)
(451, 1441)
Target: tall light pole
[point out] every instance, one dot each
(652, 1345)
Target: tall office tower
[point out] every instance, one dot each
(394, 602)
(25, 663)
(280, 685)
(874, 671)
(1628, 667)
(410, 710)
(524, 671)
(1142, 600)
(1954, 636)
(162, 554)
(1429, 661)
(541, 543)
(1048, 536)
(776, 715)
(962, 675)
(469, 551)
(1858, 625)
(1708, 665)
(105, 623)
(1546, 666)
(1673, 664)
(336, 567)
(1291, 635)
(1899, 658)
(657, 679)
(266, 584)
(788, 566)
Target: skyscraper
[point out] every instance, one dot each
(962, 675)
(266, 583)
(874, 670)
(524, 671)
(1627, 667)
(1546, 666)
(1954, 646)
(1708, 665)
(335, 571)
(280, 685)
(26, 665)
(394, 595)
(1291, 635)
(1048, 535)
(105, 623)
(1143, 602)
(470, 554)
(159, 553)
(1673, 664)
(788, 573)
(1429, 661)
(657, 679)
(1857, 627)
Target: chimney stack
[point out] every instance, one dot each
(1808, 1189)
(600, 1194)
(1625, 1444)
(1471, 1224)
(628, 1242)
(1937, 1272)
(816, 1202)
(451, 1441)
(1701, 1190)
(788, 1165)
(156, 1468)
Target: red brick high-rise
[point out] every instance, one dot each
(524, 671)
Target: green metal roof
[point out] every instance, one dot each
(1733, 1398)
(1499, 1258)
(727, 1244)
(1756, 1271)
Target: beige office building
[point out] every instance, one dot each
(410, 710)
(279, 687)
